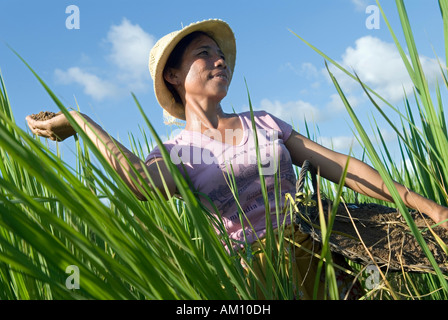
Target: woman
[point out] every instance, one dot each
(192, 69)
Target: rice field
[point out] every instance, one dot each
(78, 232)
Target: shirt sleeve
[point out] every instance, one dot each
(154, 154)
(285, 127)
(271, 121)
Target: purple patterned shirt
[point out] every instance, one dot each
(209, 163)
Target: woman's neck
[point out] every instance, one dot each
(214, 123)
(202, 117)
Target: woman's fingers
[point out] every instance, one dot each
(30, 121)
(47, 128)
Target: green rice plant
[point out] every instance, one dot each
(53, 216)
(124, 248)
(426, 148)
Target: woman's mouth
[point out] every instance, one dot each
(221, 75)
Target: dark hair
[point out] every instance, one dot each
(175, 58)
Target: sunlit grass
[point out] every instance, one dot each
(423, 139)
(53, 216)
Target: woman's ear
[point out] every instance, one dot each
(170, 75)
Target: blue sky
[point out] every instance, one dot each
(102, 62)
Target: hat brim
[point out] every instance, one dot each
(218, 30)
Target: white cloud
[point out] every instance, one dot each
(360, 5)
(309, 70)
(129, 50)
(306, 69)
(336, 104)
(379, 65)
(295, 110)
(93, 86)
(315, 85)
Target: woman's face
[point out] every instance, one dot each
(203, 73)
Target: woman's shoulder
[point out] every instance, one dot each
(266, 120)
(260, 117)
(181, 138)
(257, 113)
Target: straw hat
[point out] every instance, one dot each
(217, 29)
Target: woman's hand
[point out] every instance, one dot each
(360, 177)
(119, 157)
(441, 214)
(57, 128)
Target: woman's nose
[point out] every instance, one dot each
(220, 61)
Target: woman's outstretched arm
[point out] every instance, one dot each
(361, 177)
(59, 128)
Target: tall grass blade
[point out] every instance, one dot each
(389, 181)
